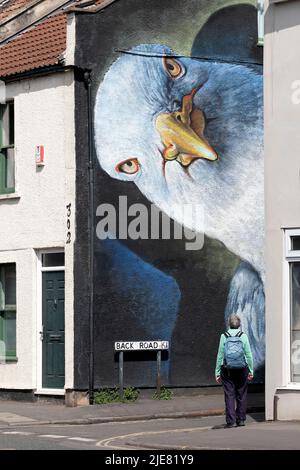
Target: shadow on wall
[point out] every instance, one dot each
(214, 42)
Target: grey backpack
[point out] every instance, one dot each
(234, 356)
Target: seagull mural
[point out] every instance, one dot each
(190, 131)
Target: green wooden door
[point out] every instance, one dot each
(53, 330)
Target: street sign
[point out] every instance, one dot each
(154, 345)
(125, 346)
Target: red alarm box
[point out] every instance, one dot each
(39, 155)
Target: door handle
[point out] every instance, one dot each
(42, 334)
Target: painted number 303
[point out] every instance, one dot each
(69, 212)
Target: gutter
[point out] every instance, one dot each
(36, 73)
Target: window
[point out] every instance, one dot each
(295, 320)
(7, 150)
(295, 243)
(293, 258)
(7, 311)
(53, 259)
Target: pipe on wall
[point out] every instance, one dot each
(275, 408)
(91, 229)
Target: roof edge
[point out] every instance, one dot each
(19, 12)
(92, 9)
(27, 23)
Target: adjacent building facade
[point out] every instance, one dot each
(282, 163)
(37, 200)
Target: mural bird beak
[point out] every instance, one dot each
(182, 134)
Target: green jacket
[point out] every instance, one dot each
(247, 351)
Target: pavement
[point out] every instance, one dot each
(204, 434)
(14, 413)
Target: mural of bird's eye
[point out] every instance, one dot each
(130, 167)
(173, 68)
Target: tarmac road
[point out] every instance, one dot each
(104, 436)
(159, 434)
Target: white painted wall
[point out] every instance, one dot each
(36, 218)
(282, 191)
(288, 405)
(69, 56)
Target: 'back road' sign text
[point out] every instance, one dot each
(141, 345)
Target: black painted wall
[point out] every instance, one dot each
(201, 278)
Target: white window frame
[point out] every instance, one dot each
(290, 256)
(9, 307)
(260, 22)
(40, 269)
(7, 146)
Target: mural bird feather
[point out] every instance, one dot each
(189, 131)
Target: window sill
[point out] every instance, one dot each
(50, 391)
(294, 386)
(3, 197)
(8, 360)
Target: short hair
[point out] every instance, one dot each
(234, 321)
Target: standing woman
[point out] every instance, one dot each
(234, 367)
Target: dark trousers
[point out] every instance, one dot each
(235, 390)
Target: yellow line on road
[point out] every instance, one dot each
(107, 442)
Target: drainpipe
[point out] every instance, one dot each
(275, 412)
(91, 229)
